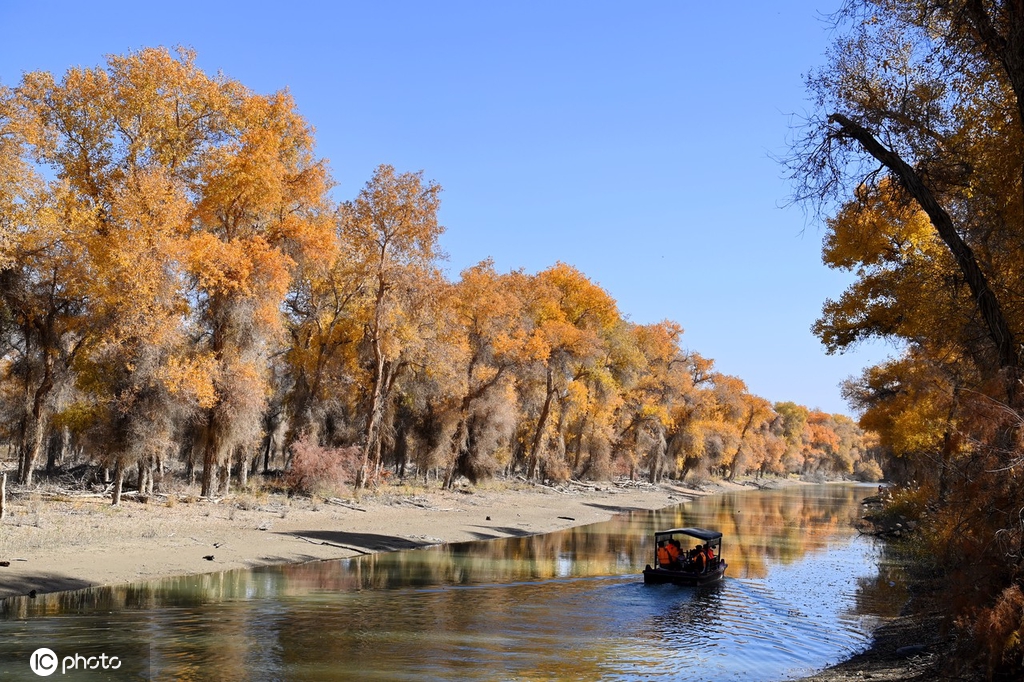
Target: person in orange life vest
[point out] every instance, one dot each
(700, 560)
(673, 551)
(710, 553)
(663, 555)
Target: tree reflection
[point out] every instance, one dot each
(469, 609)
(759, 528)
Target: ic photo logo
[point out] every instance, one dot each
(44, 662)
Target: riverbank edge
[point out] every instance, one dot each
(909, 647)
(56, 541)
(904, 648)
(63, 542)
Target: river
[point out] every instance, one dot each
(802, 591)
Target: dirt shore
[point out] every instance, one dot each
(57, 542)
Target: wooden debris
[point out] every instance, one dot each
(342, 503)
(581, 484)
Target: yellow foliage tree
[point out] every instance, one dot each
(166, 176)
(392, 228)
(571, 317)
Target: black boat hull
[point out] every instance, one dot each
(658, 575)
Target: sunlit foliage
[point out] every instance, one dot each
(919, 135)
(180, 289)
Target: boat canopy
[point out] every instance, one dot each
(699, 533)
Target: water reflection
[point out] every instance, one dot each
(567, 605)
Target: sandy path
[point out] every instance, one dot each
(55, 545)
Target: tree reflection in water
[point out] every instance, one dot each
(565, 604)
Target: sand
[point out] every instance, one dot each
(64, 542)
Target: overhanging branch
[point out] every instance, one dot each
(998, 329)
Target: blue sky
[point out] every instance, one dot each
(634, 141)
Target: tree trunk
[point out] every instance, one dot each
(999, 331)
(38, 414)
(243, 468)
(35, 447)
(372, 441)
(266, 454)
(210, 456)
(533, 462)
(115, 499)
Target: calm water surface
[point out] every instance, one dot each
(802, 591)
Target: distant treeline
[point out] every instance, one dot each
(178, 286)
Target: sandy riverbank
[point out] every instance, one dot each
(74, 542)
(77, 542)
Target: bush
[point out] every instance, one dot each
(817, 476)
(999, 631)
(907, 502)
(868, 471)
(556, 470)
(317, 470)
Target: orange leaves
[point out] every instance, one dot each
(393, 221)
(181, 201)
(823, 439)
(264, 175)
(246, 267)
(878, 230)
(908, 401)
(571, 314)
(576, 300)
(191, 378)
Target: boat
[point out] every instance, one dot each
(677, 557)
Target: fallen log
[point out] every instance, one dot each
(342, 503)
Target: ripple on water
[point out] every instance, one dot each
(479, 611)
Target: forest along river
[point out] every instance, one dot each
(803, 590)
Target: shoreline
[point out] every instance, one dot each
(74, 542)
(68, 542)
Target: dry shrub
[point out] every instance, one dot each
(999, 631)
(598, 465)
(250, 500)
(317, 470)
(698, 478)
(909, 502)
(492, 429)
(623, 466)
(868, 471)
(556, 470)
(970, 540)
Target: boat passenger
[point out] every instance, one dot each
(664, 559)
(700, 560)
(673, 552)
(710, 554)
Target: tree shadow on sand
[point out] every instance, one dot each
(364, 543)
